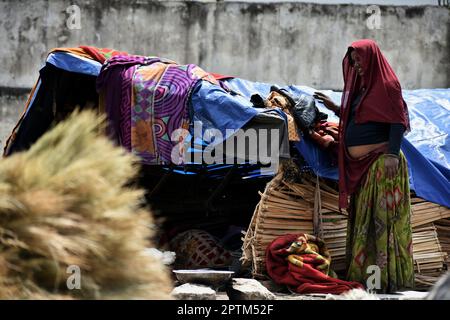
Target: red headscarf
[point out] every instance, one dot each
(382, 101)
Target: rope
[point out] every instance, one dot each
(317, 218)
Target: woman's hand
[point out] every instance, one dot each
(391, 166)
(326, 100)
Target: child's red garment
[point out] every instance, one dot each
(302, 262)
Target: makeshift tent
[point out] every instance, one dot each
(426, 147)
(70, 77)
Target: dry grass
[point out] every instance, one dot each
(66, 201)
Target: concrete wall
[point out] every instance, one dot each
(284, 43)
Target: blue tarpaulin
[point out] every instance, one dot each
(215, 108)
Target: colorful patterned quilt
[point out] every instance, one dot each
(159, 107)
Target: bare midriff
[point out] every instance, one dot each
(362, 150)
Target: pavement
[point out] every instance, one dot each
(407, 295)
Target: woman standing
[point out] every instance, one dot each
(372, 169)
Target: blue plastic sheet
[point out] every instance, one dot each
(74, 63)
(430, 123)
(214, 108)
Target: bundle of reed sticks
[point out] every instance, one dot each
(334, 226)
(443, 231)
(308, 207)
(431, 240)
(423, 212)
(428, 255)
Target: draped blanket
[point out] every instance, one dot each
(114, 85)
(146, 100)
(161, 94)
(302, 262)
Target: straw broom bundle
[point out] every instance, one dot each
(66, 202)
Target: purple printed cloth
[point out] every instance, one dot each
(115, 80)
(146, 100)
(161, 96)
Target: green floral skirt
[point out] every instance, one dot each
(379, 236)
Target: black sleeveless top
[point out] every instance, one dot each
(357, 134)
